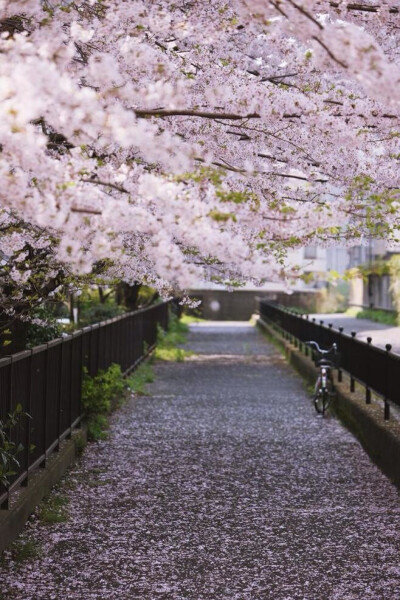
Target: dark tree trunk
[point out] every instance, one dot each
(128, 295)
(13, 335)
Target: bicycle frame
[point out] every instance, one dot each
(324, 385)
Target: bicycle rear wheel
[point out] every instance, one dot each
(321, 401)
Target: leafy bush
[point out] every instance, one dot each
(168, 341)
(94, 307)
(9, 450)
(98, 394)
(41, 333)
(96, 312)
(99, 312)
(146, 295)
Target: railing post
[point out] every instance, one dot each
(27, 447)
(80, 376)
(352, 380)
(70, 372)
(367, 389)
(386, 400)
(305, 328)
(97, 351)
(301, 334)
(367, 396)
(340, 374)
(44, 405)
(59, 392)
(5, 505)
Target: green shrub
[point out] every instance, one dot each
(9, 450)
(379, 316)
(40, 334)
(96, 312)
(168, 341)
(98, 394)
(97, 304)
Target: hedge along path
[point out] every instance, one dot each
(221, 485)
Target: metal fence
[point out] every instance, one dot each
(378, 370)
(47, 381)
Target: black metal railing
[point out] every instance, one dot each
(47, 381)
(376, 369)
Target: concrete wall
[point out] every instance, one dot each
(220, 305)
(373, 291)
(41, 482)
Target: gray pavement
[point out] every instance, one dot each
(222, 485)
(381, 334)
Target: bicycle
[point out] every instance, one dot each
(324, 388)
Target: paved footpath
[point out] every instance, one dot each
(223, 485)
(381, 334)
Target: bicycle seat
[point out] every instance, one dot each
(324, 361)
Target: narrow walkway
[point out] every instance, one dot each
(223, 485)
(380, 333)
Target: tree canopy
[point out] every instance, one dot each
(169, 143)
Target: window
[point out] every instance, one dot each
(310, 252)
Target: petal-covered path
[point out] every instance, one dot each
(222, 485)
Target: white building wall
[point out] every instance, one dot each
(318, 260)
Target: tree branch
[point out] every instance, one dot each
(119, 188)
(194, 113)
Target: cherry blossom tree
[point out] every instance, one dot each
(173, 143)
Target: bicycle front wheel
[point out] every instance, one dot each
(321, 401)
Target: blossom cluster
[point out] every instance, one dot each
(177, 143)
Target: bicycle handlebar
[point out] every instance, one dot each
(323, 352)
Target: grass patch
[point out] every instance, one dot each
(98, 470)
(168, 342)
(53, 510)
(95, 483)
(138, 380)
(23, 550)
(379, 316)
(352, 311)
(299, 310)
(187, 319)
(171, 354)
(373, 314)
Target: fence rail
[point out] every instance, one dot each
(47, 381)
(378, 370)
